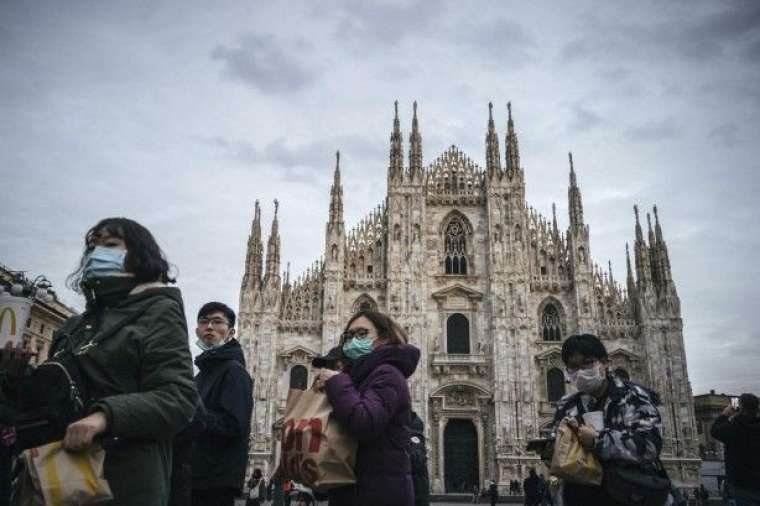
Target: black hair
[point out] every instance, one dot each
(144, 257)
(587, 345)
(748, 403)
(210, 307)
(386, 327)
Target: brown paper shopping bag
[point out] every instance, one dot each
(62, 478)
(571, 461)
(316, 451)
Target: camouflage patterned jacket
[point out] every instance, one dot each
(632, 425)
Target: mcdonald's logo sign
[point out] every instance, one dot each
(8, 311)
(14, 312)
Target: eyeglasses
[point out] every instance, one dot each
(587, 364)
(350, 334)
(215, 322)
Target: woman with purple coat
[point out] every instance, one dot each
(371, 399)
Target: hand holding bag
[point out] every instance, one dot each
(56, 477)
(572, 462)
(315, 449)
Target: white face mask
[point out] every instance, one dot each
(588, 380)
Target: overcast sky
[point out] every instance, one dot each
(181, 114)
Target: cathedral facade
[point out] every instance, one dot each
(488, 289)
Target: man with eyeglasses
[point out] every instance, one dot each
(616, 420)
(220, 456)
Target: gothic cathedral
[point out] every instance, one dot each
(488, 289)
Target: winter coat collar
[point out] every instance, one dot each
(403, 357)
(231, 350)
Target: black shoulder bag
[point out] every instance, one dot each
(54, 395)
(634, 486)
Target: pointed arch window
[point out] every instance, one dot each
(555, 384)
(457, 334)
(456, 248)
(550, 324)
(299, 377)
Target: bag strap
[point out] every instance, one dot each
(99, 337)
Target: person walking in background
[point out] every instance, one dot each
(493, 493)
(373, 403)
(220, 456)
(418, 458)
(475, 494)
(532, 488)
(140, 378)
(739, 430)
(257, 491)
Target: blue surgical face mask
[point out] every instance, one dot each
(357, 347)
(205, 347)
(102, 261)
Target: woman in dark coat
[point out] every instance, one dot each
(141, 376)
(372, 401)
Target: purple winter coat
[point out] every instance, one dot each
(372, 401)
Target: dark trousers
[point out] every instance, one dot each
(214, 496)
(587, 495)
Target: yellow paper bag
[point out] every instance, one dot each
(571, 461)
(62, 478)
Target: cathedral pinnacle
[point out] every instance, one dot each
(415, 147)
(493, 156)
(336, 195)
(254, 253)
(575, 200)
(272, 277)
(396, 165)
(512, 150)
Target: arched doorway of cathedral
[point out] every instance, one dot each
(460, 456)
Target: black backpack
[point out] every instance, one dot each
(54, 394)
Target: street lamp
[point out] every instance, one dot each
(38, 288)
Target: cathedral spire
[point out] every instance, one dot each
(575, 201)
(415, 147)
(629, 277)
(663, 259)
(493, 156)
(555, 229)
(272, 278)
(653, 260)
(254, 253)
(396, 165)
(643, 272)
(336, 196)
(512, 157)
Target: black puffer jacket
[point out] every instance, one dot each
(418, 457)
(221, 449)
(741, 435)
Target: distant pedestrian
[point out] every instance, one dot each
(493, 493)
(373, 403)
(704, 495)
(220, 456)
(532, 489)
(739, 430)
(257, 491)
(475, 494)
(418, 458)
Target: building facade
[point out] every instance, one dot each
(488, 289)
(46, 316)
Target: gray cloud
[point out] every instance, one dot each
(660, 130)
(583, 118)
(266, 63)
(724, 135)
